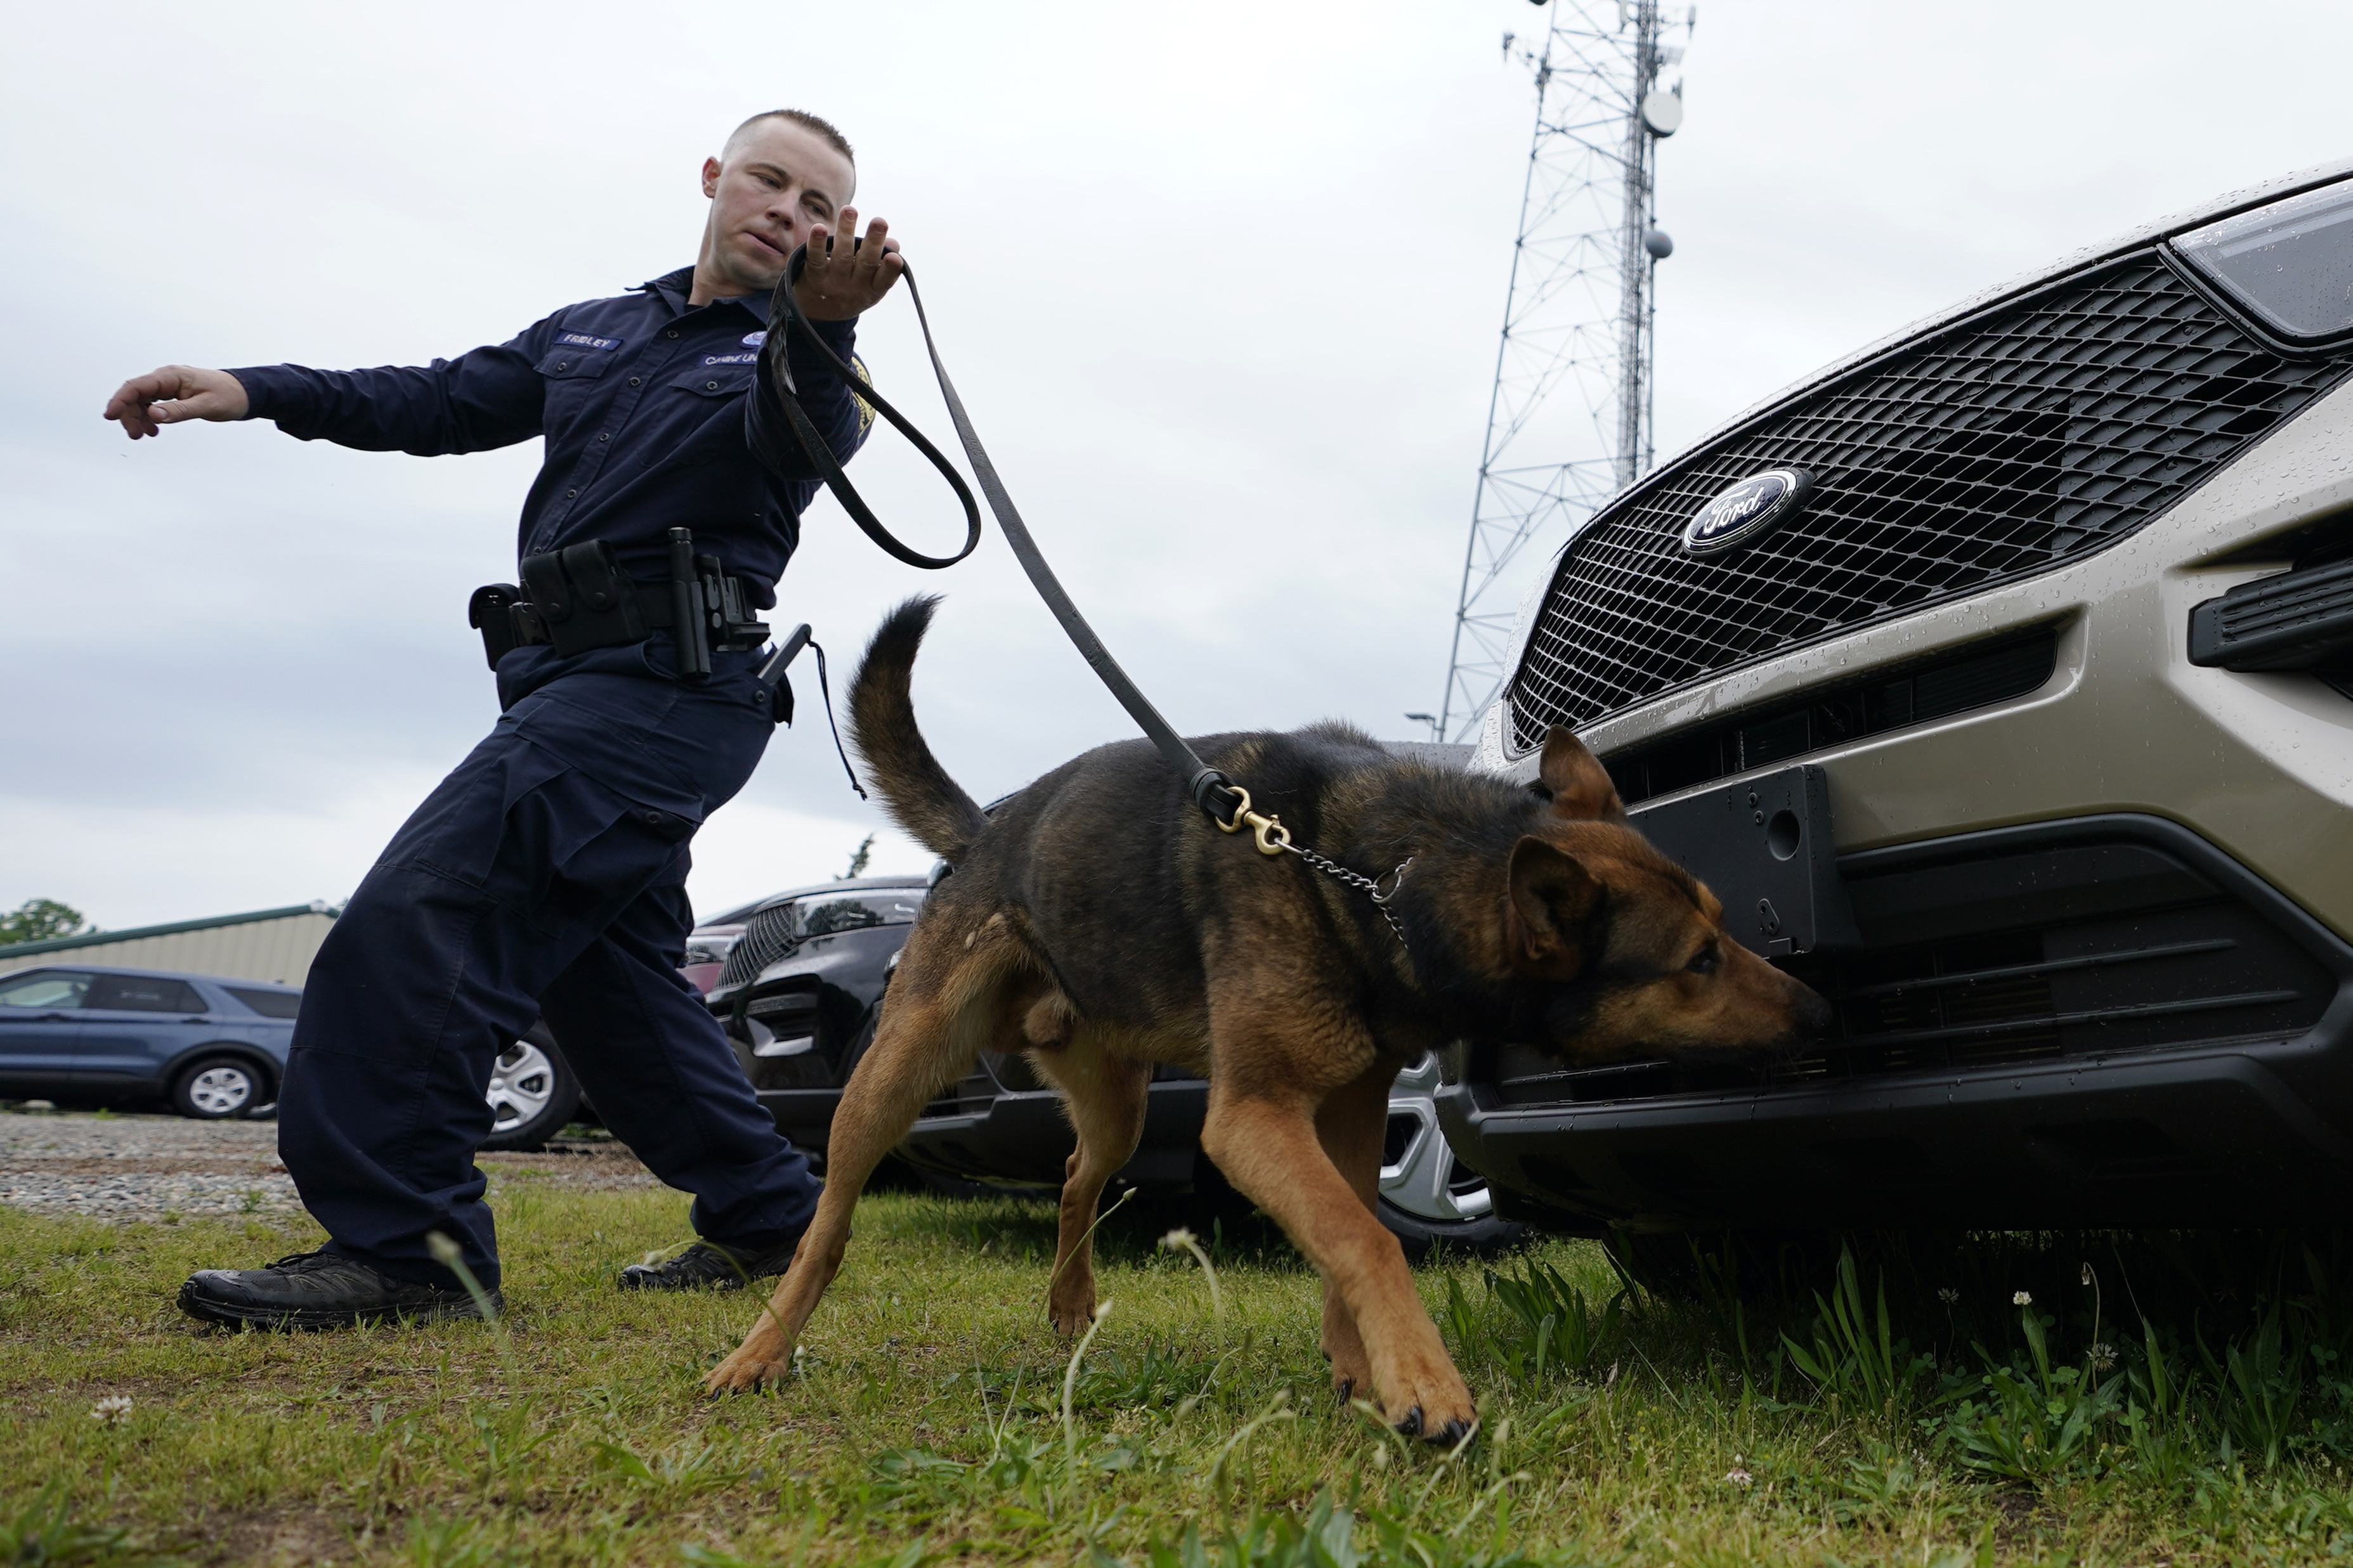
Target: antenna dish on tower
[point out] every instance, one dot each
(1663, 112)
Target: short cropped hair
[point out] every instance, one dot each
(807, 121)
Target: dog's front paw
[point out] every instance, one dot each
(1435, 1406)
(1445, 1433)
(1071, 1318)
(1070, 1307)
(741, 1374)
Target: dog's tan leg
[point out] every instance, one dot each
(1104, 1097)
(932, 1026)
(1350, 1125)
(1263, 1138)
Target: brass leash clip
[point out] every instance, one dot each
(1273, 838)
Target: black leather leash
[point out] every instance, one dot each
(774, 400)
(1220, 799)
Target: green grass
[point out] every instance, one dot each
(926, 1421)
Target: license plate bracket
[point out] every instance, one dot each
(1762, 846)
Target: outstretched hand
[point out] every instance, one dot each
(839, 282)
(174, 395)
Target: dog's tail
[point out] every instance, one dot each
(921, 796)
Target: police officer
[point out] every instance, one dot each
(546, 877)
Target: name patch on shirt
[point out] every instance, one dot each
(730, 358)
(753, 340)
(583, 341)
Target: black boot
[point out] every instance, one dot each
(318, 1291)
(707, 1266)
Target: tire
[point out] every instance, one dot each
(1427, 1199)
(219, 1088)
(531, 1091)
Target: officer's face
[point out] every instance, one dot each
(775, 181)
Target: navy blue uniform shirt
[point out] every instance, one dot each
(640, 398)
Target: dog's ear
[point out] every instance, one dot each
(1553, 900)
(1580, 786)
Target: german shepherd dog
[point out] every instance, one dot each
(1098, 924)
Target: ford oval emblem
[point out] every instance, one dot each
(1746, 512)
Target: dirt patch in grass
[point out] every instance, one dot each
(278, 1537)
(597, 1168)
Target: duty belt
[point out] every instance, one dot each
(578, 598)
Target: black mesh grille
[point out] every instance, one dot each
(767, 937)
(2046, 431)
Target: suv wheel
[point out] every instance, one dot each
(1427, 1199)
(217, 1088)
(531, 1091)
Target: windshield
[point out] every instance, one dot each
(824, 914)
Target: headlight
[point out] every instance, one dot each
(2288, 265)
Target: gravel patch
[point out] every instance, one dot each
(143, 1168)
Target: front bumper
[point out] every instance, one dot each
(2212, 1137)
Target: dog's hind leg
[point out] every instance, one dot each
(1350, 1125)
(1104, 1097)
(943, 1006)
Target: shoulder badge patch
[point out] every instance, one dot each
(865, 409)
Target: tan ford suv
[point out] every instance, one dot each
(1999, 680)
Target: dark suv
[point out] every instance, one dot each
(799, 987)
(1999, 681)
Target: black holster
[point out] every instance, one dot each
(491, 613)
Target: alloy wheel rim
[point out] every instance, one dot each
(219, 1091)
(1424, 1181)
(522, 1081)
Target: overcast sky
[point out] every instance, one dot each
(1220, 284)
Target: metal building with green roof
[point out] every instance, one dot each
(266, 944)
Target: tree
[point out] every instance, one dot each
(39, 920)
(857, 861)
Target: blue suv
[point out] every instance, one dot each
(214, 1049)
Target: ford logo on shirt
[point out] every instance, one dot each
(1746, 512)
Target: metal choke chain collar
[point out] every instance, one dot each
(1273, 838)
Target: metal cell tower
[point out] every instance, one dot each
(1581, 310)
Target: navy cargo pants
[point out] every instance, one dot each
(546, 877)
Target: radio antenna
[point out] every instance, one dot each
(1581, 309)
